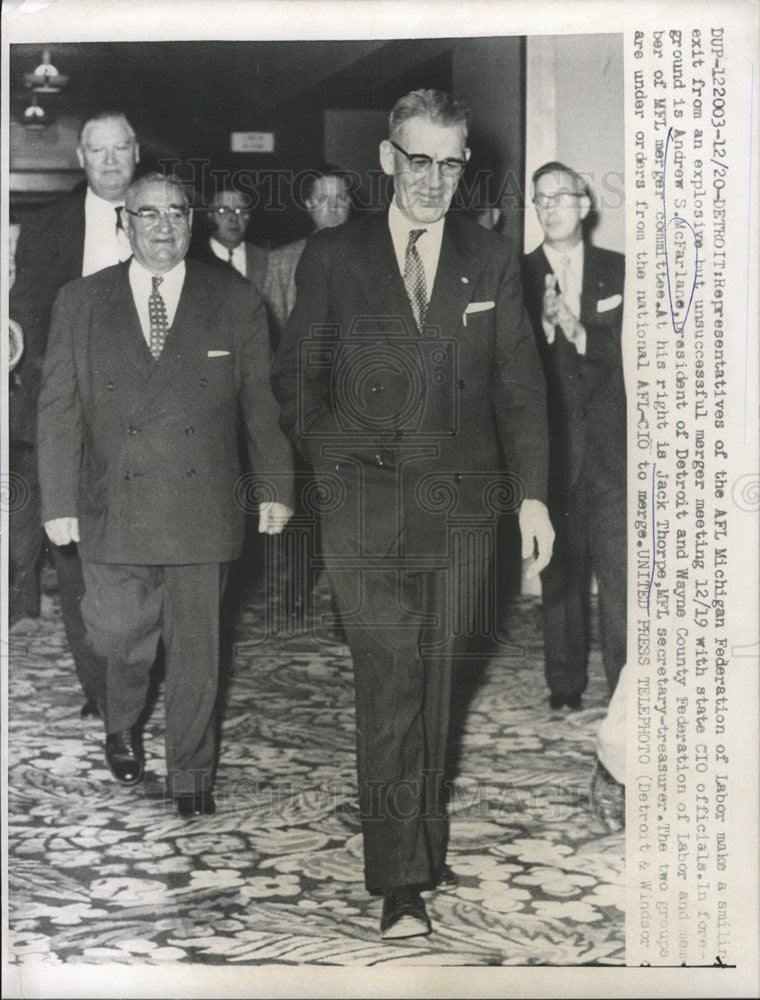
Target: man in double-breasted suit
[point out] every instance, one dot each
(146, 367)
(407, 367)
(75, 236)
(574, 295)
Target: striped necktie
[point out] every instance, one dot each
(414, 277)
(158, 321)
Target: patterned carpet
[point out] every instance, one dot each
(101, 874)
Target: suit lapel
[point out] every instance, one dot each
(594, 281)
(121, 324)
(378, 273)
(459, 268)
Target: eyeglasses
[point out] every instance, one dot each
(562, 198)
(223, 210)
(420, 163)
(174, 214)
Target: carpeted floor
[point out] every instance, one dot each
(101, 874)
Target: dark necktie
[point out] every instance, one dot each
(414, 277)
(158, 322)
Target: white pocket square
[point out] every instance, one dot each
(604, 305)
(218, 354)
(476, 307)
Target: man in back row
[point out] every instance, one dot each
(407, 365)
(574, 295)
(76, 236)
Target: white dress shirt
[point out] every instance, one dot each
(238, 260)
(428, 245)
(104, 244)
(142, 287)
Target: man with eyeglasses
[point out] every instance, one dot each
(407, 367)
(224, 241)
(574, 295)
(147, 365)
(75, 236)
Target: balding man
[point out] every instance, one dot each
(147, 366)
(76, 236)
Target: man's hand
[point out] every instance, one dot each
(556, 313)
(63, 530)
(273, 517)
(537, 535)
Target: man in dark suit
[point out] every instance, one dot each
(147, 365)
(574, 295)
(222, 239)
(76, 236)
(407, 365)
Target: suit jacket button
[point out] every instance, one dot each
(379, 460)
(461, 384)
(110, 386)
(132, 431)
(128, 475)
(191, 473)
(458, 477)
(189, 431)
(378, 387)
(203, 382)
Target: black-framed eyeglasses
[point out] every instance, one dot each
(174, 214)
(420, 163)
(562, 198)
(224, 210)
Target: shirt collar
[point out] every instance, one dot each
(400, 226)
(222, 251)
(144, 277)
(94, 203)
(555, 257)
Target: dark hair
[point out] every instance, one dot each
(313, 174)
(555, 167)
(435, 105)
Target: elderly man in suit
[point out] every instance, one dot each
(407, 367)
(76, 236)
(574, 295)
(328, 202)
(224, 240)
(147, 365)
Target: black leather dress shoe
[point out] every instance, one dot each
(90, 707)
(404, 913)
(557, 701)
(195, 804)
(125, 757)
(447, 879)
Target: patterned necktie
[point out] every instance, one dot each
(414, 277)
(158, 321)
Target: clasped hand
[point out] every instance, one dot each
(557, 313)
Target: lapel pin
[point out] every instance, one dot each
(465, 281)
